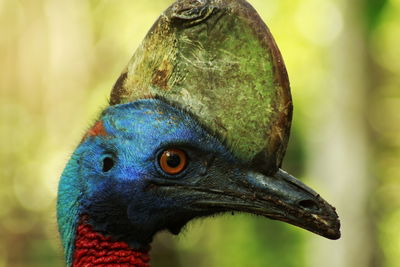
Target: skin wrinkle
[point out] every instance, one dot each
(93, 249)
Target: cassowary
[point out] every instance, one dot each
(198, 124)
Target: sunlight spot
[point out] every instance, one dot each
(385, 45)
(391, 235)
(266, 9)
(31, 192)
(319, 21)
(51, 172)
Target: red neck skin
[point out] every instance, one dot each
(94, 249)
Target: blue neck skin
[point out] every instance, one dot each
(116, 200)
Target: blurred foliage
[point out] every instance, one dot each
(384, 120)
(373, 11)
(59, 60)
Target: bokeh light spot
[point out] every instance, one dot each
(319, 21)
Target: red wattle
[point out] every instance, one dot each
(94, 249)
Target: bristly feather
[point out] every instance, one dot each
(117, 202)
(68, 203)
(213, 62)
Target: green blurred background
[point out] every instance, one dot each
(60, 58)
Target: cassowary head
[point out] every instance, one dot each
(198, 125)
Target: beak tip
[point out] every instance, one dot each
(335, 236)
(334, 233)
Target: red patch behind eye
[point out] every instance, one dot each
(96, 130)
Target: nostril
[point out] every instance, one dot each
(308, 204)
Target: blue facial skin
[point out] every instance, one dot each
(122, 201)
(114, 178)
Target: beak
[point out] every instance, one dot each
(279, 197)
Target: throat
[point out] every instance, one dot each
(95, 249)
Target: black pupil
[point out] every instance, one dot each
(108, 163)
(173, 160)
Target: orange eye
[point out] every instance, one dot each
(173, 161)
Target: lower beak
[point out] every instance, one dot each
(279, 197)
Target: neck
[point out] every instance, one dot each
(83, 247)
(94, 249)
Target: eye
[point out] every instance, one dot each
(173, 161)
(108, 164)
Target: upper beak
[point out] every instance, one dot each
(279, 197)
